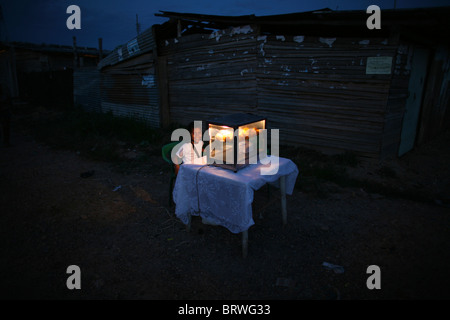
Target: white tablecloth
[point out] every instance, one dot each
(223, 196)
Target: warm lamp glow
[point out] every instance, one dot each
(222, 135)
(247, 132)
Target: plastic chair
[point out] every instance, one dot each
(166, 154)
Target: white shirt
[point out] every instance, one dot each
(189, 155)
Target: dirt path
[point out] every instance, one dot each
(129, 245)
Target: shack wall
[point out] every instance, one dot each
(129, 89)
(211, 74)
(315, 90)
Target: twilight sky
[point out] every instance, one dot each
(44, 21)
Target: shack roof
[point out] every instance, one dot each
(137, 46)
(426, 25)
(52, 48)
(322, 16)
(423, 22)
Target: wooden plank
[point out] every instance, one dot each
(161, 73)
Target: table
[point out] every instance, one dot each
(224, 197)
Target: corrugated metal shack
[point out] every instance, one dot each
(123, 83)
(323, 78)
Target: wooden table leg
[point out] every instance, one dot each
(283, 199)
(244, 243)
(188, 226)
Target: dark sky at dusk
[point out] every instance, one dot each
(44, 21)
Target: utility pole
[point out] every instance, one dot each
(100, 49)
(138, 26)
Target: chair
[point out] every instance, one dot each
(166, 154)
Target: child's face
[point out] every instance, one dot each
(197, 135)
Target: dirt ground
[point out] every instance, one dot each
(118, 228)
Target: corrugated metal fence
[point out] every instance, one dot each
(86, 89)
(124, 83)
(129, 89)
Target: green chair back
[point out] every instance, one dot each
(167, 151)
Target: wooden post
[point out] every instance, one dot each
(14, 89)
(179, 28)
(188, 226)
(163, 86)
(75, 54)
(244, 243)
(100, 49)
